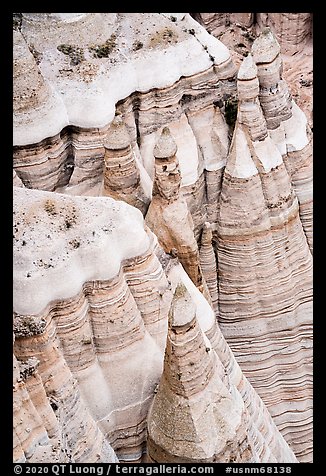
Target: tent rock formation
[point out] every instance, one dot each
(162, 240)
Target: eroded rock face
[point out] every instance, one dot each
(287, 124)
(168, 215)
(99, 348)
(190, 71)
(198, 414)
(259, 233)
(208, 264)
(293, 30)
(99, 134)
(122, 179)
(52, 421)
(80, 329)
(294, 34)
(193, 418)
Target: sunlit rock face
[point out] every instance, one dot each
(168, 215)
(87, 77)
(193, 417)
(90, 348)
(162, 241)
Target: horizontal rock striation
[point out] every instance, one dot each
(267, 441)
(208, 264)
(274, 96)
(53, 422)
(85, 332)
(265, 275)
(122, 179)
(163, 263)
(294, 34)
(215, 23)
(287, 124)
(193, 418)
(175, 47)
(106, 336)
(184, 393)
(69, 157)
(30, 432)
(293, 30)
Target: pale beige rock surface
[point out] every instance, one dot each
(201, 381)
(208, 264)
(168, 215)
(293, 32)
(122, 179)
(287, 124)
(87, 322)
(265, 290)
(193, 417)
(93, 284)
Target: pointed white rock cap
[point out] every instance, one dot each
(265, 48)
(248, 69)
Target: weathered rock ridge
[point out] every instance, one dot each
(99, 340)
(260, 238)
(162, 240)
(293, 32)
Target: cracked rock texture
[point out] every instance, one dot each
(162, 183)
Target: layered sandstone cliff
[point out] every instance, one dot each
(90, 348)
(293, 32)
(265, 270)
(100, 352)
(145, 187)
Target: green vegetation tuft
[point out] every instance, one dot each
(75, 53)
(104, 50)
